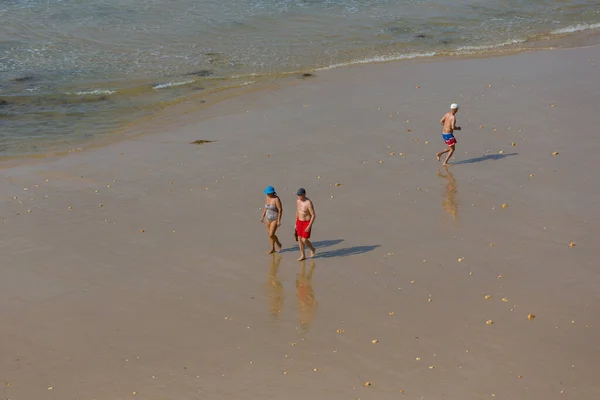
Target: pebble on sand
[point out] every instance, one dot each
(338, 184)
(572, 244)
(461, 259)
(504, 205)
(555, 153)
(487, 297)
(142, 231)
(368, 384)
(374, 341)
(489, 322)
(340, 331)
(530, 317)
(513, 144)
(505, 300)
(51, 388)
(391, 313)
(418, 87)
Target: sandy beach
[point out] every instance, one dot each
(138, 270)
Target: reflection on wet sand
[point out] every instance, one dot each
(274, 287)
(307, 304)
(449, 202)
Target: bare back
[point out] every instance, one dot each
(449, 122)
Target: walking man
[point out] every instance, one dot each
(305, 218)
(448, 123)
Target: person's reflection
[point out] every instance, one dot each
(307, 303)
(449, 202)
(274, 288)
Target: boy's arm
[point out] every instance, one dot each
(457, 128)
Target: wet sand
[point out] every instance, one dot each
(139, 270)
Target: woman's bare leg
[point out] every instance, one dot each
(268, 225)
(274, 239)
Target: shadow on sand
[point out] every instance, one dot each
(346, 251)
(317, 245)
(488, 157)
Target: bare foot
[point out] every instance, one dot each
(271, 252)
(312, 253)
(280, 247)
(301, 258)
(438, 156)
(446, 164)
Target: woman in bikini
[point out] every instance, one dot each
(272, 217)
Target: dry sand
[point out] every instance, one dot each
(192, 308)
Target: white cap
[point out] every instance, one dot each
(454, 106)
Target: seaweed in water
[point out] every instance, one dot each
(202, 141)
(202, 73)
(24, 78)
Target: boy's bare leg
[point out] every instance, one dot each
(439, 155)
(450, 153)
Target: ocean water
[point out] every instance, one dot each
(75, 70)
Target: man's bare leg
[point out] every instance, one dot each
(310, 246)
(450, 153)
(301, 245)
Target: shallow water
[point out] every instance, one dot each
(74, 70)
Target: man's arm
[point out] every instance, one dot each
(313, 216)
(443, 120)
(454, 127)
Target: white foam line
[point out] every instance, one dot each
(379, 59)
(171, 84)
(92, 92)
(489, 46)
(575, 28)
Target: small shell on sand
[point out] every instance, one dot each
(505, 300)
(513, 144)
(142, 231)
(572, 244)
(504, 205)
(374, 341)
(553, 105)
(340, 331)
(338, 184)
(431, 367)
(500, 277)
(530, 317)
(368, 384)
(555, 153)
(501, 152)
(418, 87)
(489, 322)
(461, 259)
(487, 297)
(391, 313)
(481, 126)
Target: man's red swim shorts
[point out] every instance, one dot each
(301, 229)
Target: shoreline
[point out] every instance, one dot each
(265, 82)
(137, 270)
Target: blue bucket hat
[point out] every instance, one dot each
(270, 190)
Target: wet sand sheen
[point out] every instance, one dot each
(138, 270)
